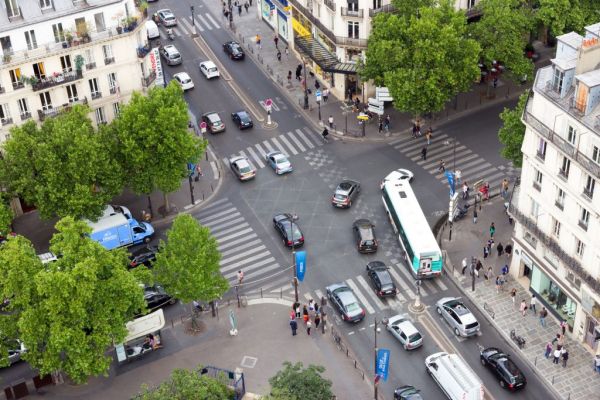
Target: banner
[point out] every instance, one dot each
(156, 67)
(383, 363)
(450, 176)
(300, 265)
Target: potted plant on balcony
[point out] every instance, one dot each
(142, 5)
(69, 38)
(131, 23)
(79, 61)
(83, 31)
(6, 58)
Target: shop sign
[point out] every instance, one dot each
(587, 302)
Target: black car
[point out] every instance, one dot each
(156, 297)
(288, 229)
(234, 50)
(144, 255)
(364, 235)
(407, 393)
(242, 119)
(509, 375)
(381, 279)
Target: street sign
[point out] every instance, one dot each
(203, 127)
(383, 363)
(318, 95)
(300, 265)
(451, 182)
(383, 94)
(452, 206)
(375, 106)
(268, 104)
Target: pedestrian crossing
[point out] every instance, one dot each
(290, 143)
(240, 247)
(456, 156)
(204, 22)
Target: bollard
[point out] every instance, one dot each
(172, 323)
(281, 293)
(206, 154)
(202, 196)
(261, 293)
(355, 364)
(211, 188)
(553, 379)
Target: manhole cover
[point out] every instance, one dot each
(249, 362)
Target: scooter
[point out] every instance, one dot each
(170, 34)
(519, 340)
(460, 212)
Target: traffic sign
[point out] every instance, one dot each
(318, 95)
(268, 104)
(203, 127)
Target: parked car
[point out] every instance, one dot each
(343, 298)
(213, 122)
(364, 235)
(398, 174)
(381, 279)
(15, 349)
(242, 168)
(166, 17)
(209, 69)
(279, 162)
(242, 119)
(234, 50)
(458, 316)
(156, 297)
(404, 330)
(170, 54)
(345, 193)
(288, 229)
(407, 393)
(184, 80)
(143, 256)
(509, 375)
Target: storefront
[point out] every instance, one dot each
(269, 13)
(552, 296)
(591, 311)
(275, 13)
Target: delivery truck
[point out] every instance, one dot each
(117, 228)
(454, 376)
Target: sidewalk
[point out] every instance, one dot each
(264, 342)
(577, 381)
(248, 25)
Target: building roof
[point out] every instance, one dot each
(594, 29)
(572, 39)
(565, 63)
(590, 79)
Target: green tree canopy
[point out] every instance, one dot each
(294, 382)
(153, 140)
(424, 58)
(6, 217)
(62, 167)
(187, 265)
(512, 133)
(188, 385)
(562, 16)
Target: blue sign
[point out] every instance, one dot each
(300, 265)
(191, 168)
(383, 363)
(451, 182)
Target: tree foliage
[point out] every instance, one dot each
(294, 382)
(562, 16)
(6, 217)
(153, 140)
(512, 133)
(424, 57)
(187, 265)
(61, 167)
(188, 385)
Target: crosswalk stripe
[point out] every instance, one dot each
(296, 141)
(401, 281)
(191, 22)
(182, 27)
(435, 142)
(440, 284)
(395, 304)
(223, 246)
(186, 24)
(284, 288)
(307, 296)
(460, 155)
(210, 18)
(212, 205)
(288, 144)
(319, 294)
(249, 270)
(237, 265)
(471, 173)
(231, 210)
(242, 153)
(369, 291)
(497, 176)
(268, 146)
(446, 152)
(360, 296)
(223, 219)
(218, 234)
(305, 139)
(279, 146)
(409, 278)
(226, 224)
(311, 134)
(404, 139)
(241, 247)
(463, 159)
(202, 21)
(240, 233)
(260, 149)
(253, 250)
(255, 157)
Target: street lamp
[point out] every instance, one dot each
(376, 331)
(292, 218)
(319, 104)
(305, 88)
(193, 21)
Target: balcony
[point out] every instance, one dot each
(114, 90)
(541, 155)
(352, 13)
(563, 174)
(96, 95)
(54, 111)
(25, 116)
(583, 224)
(148, 80)
(56, 79)
(330, 4)
(18, 85)
(89, 66)
(351, 42)
(109, 60)
(6, 121)
(388, 8)
(588, 193)
(560, 205)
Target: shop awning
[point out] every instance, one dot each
(323, 57)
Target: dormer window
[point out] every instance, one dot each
(12, 8)
(44, 4)
(557, 81)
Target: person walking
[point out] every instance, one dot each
(424, 153)
(565, 357)
(508, 250)
(549, 349)
(276, 41)
(239, 10)
(464, 265)
(246, 6)
(500, 249)
(465, 190)
(387, 122)
(475, 215)
(298, 72)
(442, 166)
(308, 326)
(316, 307)
(287, 53)
(492, 230)
(563, 326)
(418, 127)
(597, 363)
(414, 130)
(486, 251)
(305, 314)
(380, 126)
(294, 326)
(457, 176)
(330, 120)
(513, 295)
(325, 95)
(498, 284)
(556, 356)
(258, 39)
(317, 84)
(297, 308)
(543, 314)
(278, 55)
(311, 306)
(489, 274)
(532, 303)
(478, 267)
(240, 277)
(317, 320)
(523, 306)
(289, 77)
(428, 135)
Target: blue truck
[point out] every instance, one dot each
(117, 228)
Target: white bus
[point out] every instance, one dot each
(421, 250)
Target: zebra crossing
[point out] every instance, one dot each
(240, 247)
(290, 143)
(472, 166)
(204, 22)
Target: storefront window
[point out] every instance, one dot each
(554, 298)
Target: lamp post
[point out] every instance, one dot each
(191, 188)
(195, 33)
(319, 104)
(292, 218)
(376, 331)
(305, 87)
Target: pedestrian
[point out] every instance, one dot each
(387, 122)
(504, 186)
(146, 217)
(278, 55)
(292, 312)
(556, 356)
(317, 320)
(532, 303)
(504, 270)
(311, 306)
(513, 295)
(325, 95)
(258, 39)
(316, 308)
(294, 326)
(565, 356)
(250, 1)
(549, 349)
(380, 126)
(490, 243)
(475, 215)
(500, 249)
(246, 6)
(464, 265)
(498, 283)
(298, 71)
(488, 274)
(424, 153)
(239, 10)
(478, 267)
(199, 170)
(289, 77)
(442, 166)
(308, 326)
(543, 314)
(323, 301)
(304, 313)
(495, 82)
(561, 341)
(428, 135)
(523, 306)
(457, 176)
(508, 250)
(465, 190)
(418, 127)
(287, 52)
(563, 326)
(414, 130)
(297, 307)
(240, 276)
(492, 230)
(502, 282)
(276, 40)
(597, 363)
(486, 252)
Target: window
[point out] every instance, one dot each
(353, 29)
(560, 198)
(24, 109)
(596, 155)
(65, 63)
(12, 8)
(88, 56)
(112, 83)
(59, 33)
(541, 150)
(590, 185)
(584, 218)
(557, 81)
(46, 101)
(72, 93)
(353, 5)
(99, 20)
(100, 117)
(108, 54)
(537, 183)
(30, 39)
(94, 89)
(39, 71)
(376, 4)
(579, 247)
(45, 4)
(565, 168)
(117, 109)
(556, 228)
(535, 209)
(571, 277)
(572, 135)
(15, 78)
(5, 118)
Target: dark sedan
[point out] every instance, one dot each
(407, 393)
(242, 119)
(343, 298)
(509, 375)
(156, 297)
(234, 50)
(287, 228)
(381, 279)
(143, 256)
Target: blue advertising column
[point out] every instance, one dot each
(300, 265)
(383, 364)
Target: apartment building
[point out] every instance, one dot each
(557, 207)
(57, 53)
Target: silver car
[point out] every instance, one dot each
(345, 193)
(279, 162)
(166, 17)
(343, 298)
(458, 316)
(404, 330)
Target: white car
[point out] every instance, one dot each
(209, 69)
(399, 174)
(166, 17)
(404, 330)
(184, 80)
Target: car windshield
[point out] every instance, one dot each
(339, 196)
(214, 119)
(214, 69)
(245, 169)
(415, 337)
(281, 160)
(352, 307)
(185, 80)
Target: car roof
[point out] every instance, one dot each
(282, 216)
(346, 185)
(377, 265)
(332, 288)
(363, 222)
(241, 113)
(347, 297)
(208, 64)
(237, 159)
(212, 115)
(170, 48)
(183, 75)
(164, 11)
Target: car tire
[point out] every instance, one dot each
(439, 310)
(502, 384)
(456, 332)
(147, 240)
(173, 301)
(482, 362)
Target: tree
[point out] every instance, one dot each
(62, 167)
(6, 217)
(188, 385)
(503, 33)
(153, 141)
(424, 58)
(561, 16)
(513, 131)
(79, 305)
(294, 382)
(187, 265)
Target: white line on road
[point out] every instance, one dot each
(296, 141)
(210, 18)
(215, 170)
(255, 157)
(223, 246)
(234, 257)
(288, 144)
(237, 265)
(240, 233)
(360, 296)
(212, 224)
(303, 137)
(279, 146)
(369, 291)
(229, 211)
(241, 247)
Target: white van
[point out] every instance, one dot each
(456, 379)
(152, 30)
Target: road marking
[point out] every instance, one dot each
(279, 146)
(235, 266)
(215, 170)
(466, 158)
(308, 142)
(226, 224)
(183, 29)
(253, 250)
(210, 18)
(307, 296)
(254, 266)
(369, 291)
(225, 218)
(288, 144)
(283, 288)
(395, 304)
(274, 106)
(198, 25)
(401, 282)
(446, 154)
(268, 146)
(360, 296)
(260, 149)
(231, 210)
(241, 247)
(296, 141)
(255, 157)
(206, 24)
(417, 144)
(248, 158)
(319, 294)
(223, 246)
(229, 230)
(312, 135)
(187, 25)
(351, 333)
(240, 233)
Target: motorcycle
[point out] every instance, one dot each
(519, 340)
(170, 34)
(460, 212)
